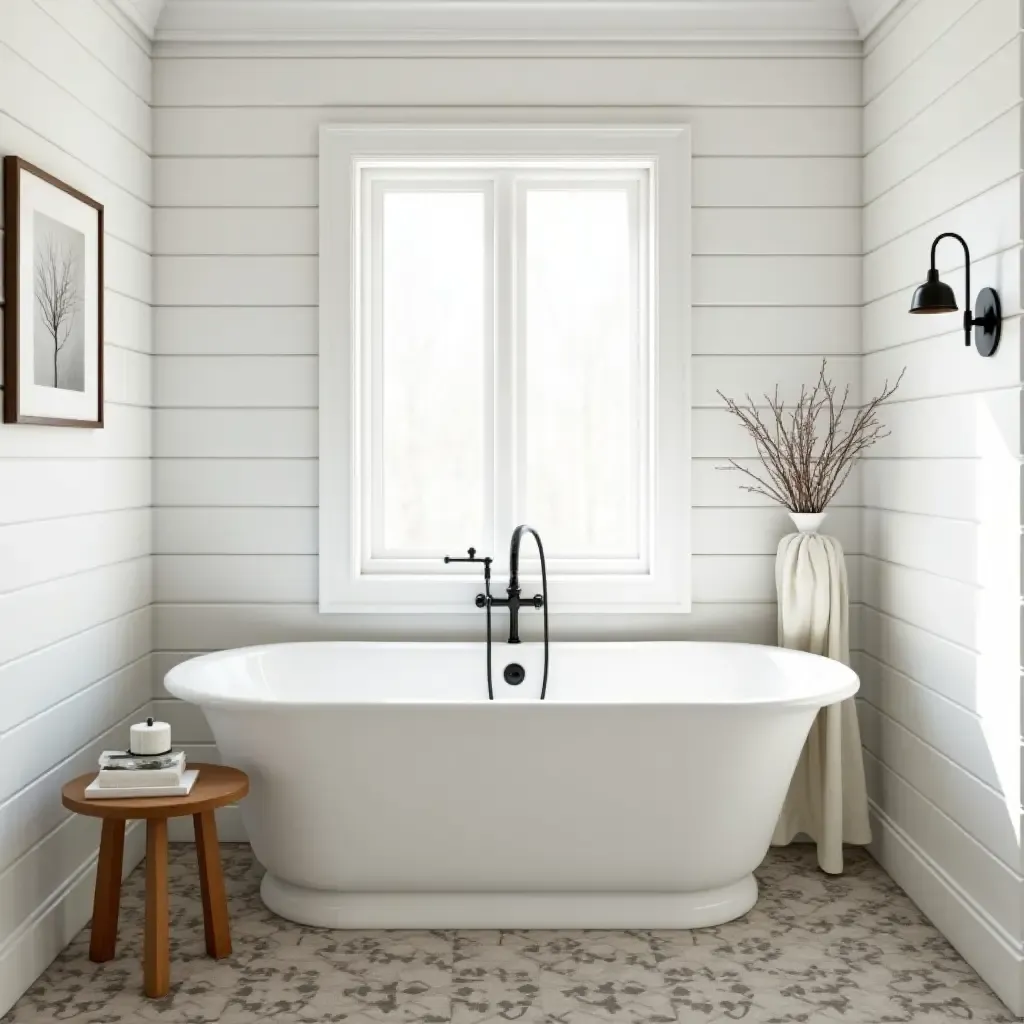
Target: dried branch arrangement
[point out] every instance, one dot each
(802, 471)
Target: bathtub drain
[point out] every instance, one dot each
(514, 674)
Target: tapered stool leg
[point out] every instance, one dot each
(211, 886)
(157, 952)
(107, 897)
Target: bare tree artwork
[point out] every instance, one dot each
(57, 295)
(800, 473)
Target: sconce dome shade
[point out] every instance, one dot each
(934, 296)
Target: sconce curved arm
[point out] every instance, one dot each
(968, 316)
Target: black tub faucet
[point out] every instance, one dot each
(514, 601)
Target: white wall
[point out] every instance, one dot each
(777, 233)
(940, 709)
(75, 522)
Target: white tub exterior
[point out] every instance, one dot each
(388, 792)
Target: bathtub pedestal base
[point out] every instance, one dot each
(448, 910)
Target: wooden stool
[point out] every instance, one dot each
(216, 787)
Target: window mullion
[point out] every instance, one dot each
(504, 362)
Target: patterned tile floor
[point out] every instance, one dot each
(814, 949)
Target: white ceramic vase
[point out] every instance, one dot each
(808, 522)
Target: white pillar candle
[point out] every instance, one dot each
(150, 737)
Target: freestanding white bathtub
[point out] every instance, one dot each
(387, 792)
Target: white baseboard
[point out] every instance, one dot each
(34, 946)
(229, 828)
(987, 947)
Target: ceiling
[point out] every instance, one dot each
(500, 20)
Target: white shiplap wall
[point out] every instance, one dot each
(777, 284)
(75, 523)
(940, 634)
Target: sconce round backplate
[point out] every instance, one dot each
(988, 319)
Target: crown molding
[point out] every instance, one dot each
(506, 22)
(142, 14)
(869, 14)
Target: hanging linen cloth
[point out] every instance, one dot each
(827, 797)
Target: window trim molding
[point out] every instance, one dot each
(344, 150)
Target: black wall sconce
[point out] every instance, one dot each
(935, 296)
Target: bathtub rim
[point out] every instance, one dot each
(846, 684)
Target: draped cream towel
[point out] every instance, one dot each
(827, 798)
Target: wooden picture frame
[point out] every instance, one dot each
(53, 300)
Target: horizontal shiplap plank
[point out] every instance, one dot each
(991, 89)
(717, 131)
(983, 30)
(38, 681)
(28, 751)
(36, 810)
(936, 487)
(32, 553)
(50, 612)
(980, 745)
(228, 330)
(955, 672)
(236, 280)
(993, 886)
(34, 100)
(43, 41)
(979, 554)
(976, 808)
(992, 222)
(127, 321)
(232, 531)
(108, 40)
(292, 579)
(980, 162)
(236, 381)
(235, 433)
(717, 181)
(985, 425)
(940, 366)
(940, 605)
(780, 280)
(828, 231)
(889, 54)
(181, 231)
(737, 376)
(194, 627)
(42, 489)
(235, 483)
(777, 330)
(781, 181)
(186, 82)
(126, 434)
(127, 376)
(125, 216)
(291, 531)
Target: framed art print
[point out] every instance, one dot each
(53, 313)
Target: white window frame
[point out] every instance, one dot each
(349, 156)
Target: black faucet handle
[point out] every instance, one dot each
(485, 561)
